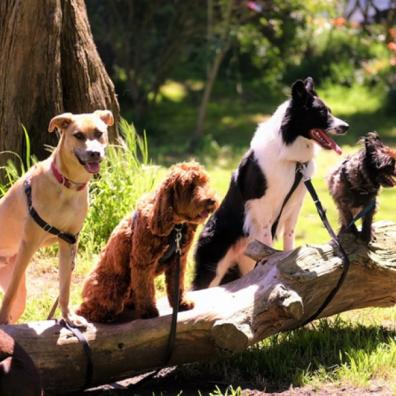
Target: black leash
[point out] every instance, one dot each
(174, 250)
(69, 238)
(297, 179)
(86, 348)
(82, 339)
(344, 256)
(362, 213)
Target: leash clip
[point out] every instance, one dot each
(178, 239)
(302, 167)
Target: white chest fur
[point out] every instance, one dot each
(277, 161)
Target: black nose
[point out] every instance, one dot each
(210, 202)
(343, 128)
(93, 155)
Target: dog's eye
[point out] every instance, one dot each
(98, 134)
(79, 136)
(324, 112)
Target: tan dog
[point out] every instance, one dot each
(59, 195)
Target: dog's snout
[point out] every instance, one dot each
(210, 202)
(343, 128)
(93, 155)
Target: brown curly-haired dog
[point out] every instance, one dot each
(131, 259)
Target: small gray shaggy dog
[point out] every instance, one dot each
(356, 183)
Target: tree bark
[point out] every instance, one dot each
(277, 296)
(213, 69)
(48, 65)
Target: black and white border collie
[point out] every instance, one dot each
(260, 184)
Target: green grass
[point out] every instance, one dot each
(355, 347)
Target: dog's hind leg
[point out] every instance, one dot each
(29, 245)
(5, 278)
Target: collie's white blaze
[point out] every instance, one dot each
(337, 123)
(278, 164)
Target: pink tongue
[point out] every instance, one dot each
(204, 214)
(92, 167)
(330, 143)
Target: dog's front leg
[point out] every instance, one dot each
(367, 232)
(67, 255)
(289, 230)
(265, 236)
(142, 284)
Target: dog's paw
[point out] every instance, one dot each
(75, 320)
(148, 312)
(5, 318)
(186, 305)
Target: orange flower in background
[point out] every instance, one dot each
(393, 61)
(392, 33)
(391, 46)
(340, 21)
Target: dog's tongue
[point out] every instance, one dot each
(204, 214)
(92, 167)
(325, 141)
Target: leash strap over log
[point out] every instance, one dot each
(176, 237)
(69, 238)
(86, 348)
(344, 256)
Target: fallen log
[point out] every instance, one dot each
(277, 296)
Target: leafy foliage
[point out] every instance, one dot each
(124, 177)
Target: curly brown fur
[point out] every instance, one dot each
(356, 182)
(130, 261)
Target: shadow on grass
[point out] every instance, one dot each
(274, 364)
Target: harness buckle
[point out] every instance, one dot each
(47, 227)
(302, 167)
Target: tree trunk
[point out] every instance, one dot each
(213, 69)
(48, 65)
(275, 297)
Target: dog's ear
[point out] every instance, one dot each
(60, 122)
(161, 221)
(309, 85)
(372, 142)
(106, 116)
(299, 92)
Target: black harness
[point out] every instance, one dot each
(69, 238)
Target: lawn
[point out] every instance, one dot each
(353, 349)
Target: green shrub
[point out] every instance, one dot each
(124, 177)
(12, 171)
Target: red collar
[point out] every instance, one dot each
(64, 180)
